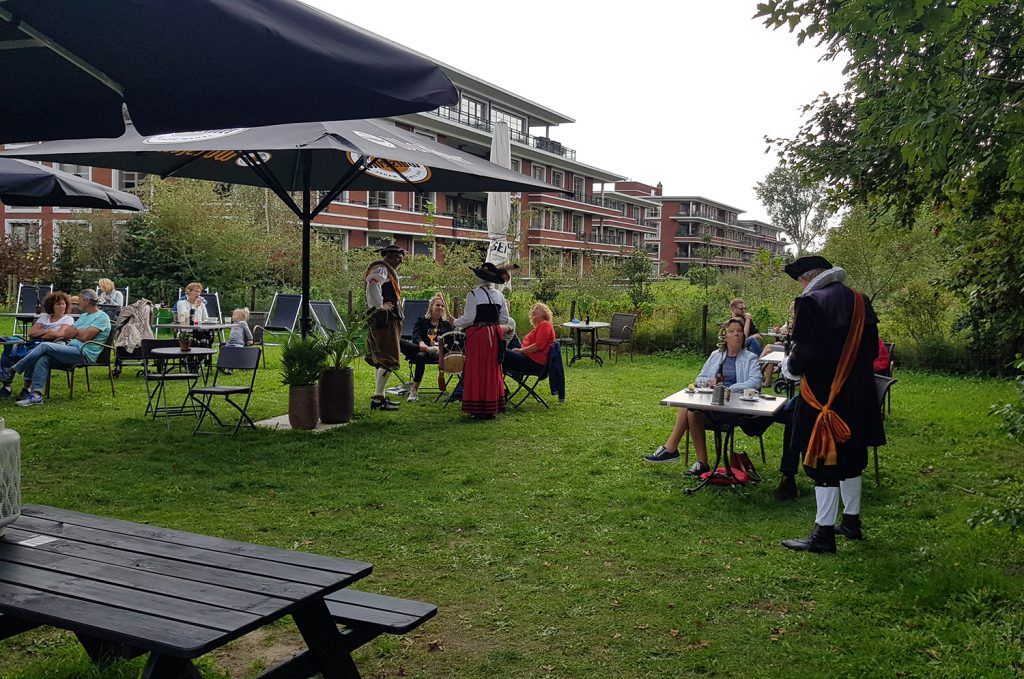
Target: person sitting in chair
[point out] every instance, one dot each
(739, 311)
(423, 348)
(733, 366)
(92, 326)
(532, 357)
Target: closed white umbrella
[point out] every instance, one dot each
(498, 202)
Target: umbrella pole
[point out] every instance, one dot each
(307, 171)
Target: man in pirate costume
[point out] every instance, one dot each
(384, 312)
(836, 415)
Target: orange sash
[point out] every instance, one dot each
(829, 428)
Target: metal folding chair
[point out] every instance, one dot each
(237, 360)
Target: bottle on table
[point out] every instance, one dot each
(191, 316)
(39, 306)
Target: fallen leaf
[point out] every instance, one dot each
(547, 668)
(435, 645)
(671, 605)
(642, 626)
(674, 633)
(616, 636)
(547, 565)
(697, 645)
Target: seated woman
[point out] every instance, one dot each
(47, 328)
(423, 348)
(733, 366)
(109, 295)
(532, 357)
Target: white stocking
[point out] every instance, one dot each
(828, 505)
(850, 490)
(382, 381)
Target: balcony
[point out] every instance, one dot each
(470, 222)
(608, 240)
(542, 143)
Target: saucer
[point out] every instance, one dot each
(745, 398)
(705, 390)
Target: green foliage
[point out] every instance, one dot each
(1012, 413)
(341, 347)
(592, 287)
(933, 108)
(636, 269)
(547, 275)
(703, 276)
(796, 204)
(302, 360)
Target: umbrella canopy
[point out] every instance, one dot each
(498, 202)
(25, 184)
(328, 156)
(67, 67)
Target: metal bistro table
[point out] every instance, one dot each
(190, 377)
(728, 416)
(781, 383)
(579, 329)
(126, 589)
(202, 327)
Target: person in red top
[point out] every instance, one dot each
(881, 364)
(532, 357)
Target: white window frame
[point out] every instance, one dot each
(430, 197)
(9, 229)
(433, 245)
(558, 178)
(389, 199)
(579, 187)
(516, 165)
(557, 220)
(543, 172)
(578, 230)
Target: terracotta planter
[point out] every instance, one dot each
(337, 395)
(185, 345)
(303, 412)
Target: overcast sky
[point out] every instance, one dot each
(682, 93)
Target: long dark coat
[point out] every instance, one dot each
(822, 324)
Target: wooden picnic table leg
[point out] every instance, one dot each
(167, 667)
(327, 646)
(11, 626)
(103, 653)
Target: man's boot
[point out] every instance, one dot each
(850, 527)
(786, 489)
(822, 540)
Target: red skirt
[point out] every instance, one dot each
(483, 383)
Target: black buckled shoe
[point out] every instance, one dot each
(850, 527)
(382, 404)
(787, 488)
(822, 540)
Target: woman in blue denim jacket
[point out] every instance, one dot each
(733, 366)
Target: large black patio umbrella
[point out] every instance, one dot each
(67, 66)
(25, 184)
(326, 156)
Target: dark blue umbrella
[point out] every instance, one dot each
(25, 184)
(67, 66)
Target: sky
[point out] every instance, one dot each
(681, 93)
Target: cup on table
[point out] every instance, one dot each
(750, 392)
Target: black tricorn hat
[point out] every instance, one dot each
(488, 272)
(799, 267)
(391, 249)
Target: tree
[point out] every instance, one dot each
(933, 107)
(795, 204)
(636, 269)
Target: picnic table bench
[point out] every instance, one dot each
(126, 589)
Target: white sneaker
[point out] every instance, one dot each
(413, 396)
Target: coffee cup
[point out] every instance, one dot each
(750, 392)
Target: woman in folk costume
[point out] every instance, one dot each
(384, 312)
(836, 416)
(483, 383)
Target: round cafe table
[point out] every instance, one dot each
(578, 329)
(179, 366)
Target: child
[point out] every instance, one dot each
(240, 335)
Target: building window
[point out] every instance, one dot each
(516, 165)
(83, 171)
(471, 109)
(419, 201)
(378, 198)
(537, 219)
(558, 178)
(556, 220)
(27, 231)
(578, 188)
(129, 181)
(540, 173)
(577, 224)
(516, 124)
(422, 247)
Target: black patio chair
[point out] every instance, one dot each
(529, 382)
(891, 348)
(326, 315)
(883, 387)
(412, 310)
(103, 360)
(284, 313)
(28, 296)
(155, 372)
(620, 332)
(238, 360)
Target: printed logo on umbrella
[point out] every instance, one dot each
(393, 170)
(186, 137)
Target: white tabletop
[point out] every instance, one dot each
(593, 325)
(186, 326)
(697, 401)
(775, 358)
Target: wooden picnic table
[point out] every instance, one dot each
(126, 589)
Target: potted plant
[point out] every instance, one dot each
(184, 340)
(302, 360)
(337, 382)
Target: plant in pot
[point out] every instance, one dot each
(185, 340)
(337, 383)
(302, 360)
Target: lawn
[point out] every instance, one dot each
(553, 550)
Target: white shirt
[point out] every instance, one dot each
(485, 294)
(181, 310)
(44, 320)
(374, 293)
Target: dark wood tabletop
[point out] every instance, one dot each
(176, 595)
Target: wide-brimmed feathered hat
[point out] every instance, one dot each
(488, 272)
(391, 249)
(799, 267)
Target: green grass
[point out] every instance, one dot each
(553, 550)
